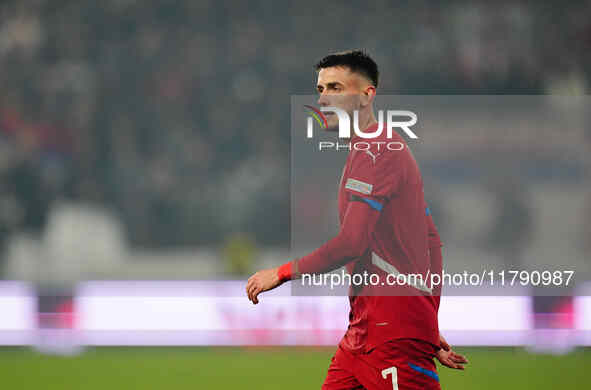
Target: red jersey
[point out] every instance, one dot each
(386, 230)
(390, 182)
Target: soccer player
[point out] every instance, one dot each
(393, 334)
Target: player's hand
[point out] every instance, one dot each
(448, 357)
(264, 280)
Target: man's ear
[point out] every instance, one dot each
(367, 95)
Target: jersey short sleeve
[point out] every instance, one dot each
(375, 175)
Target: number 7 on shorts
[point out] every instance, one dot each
(391, 370)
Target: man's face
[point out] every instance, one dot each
(339, 87)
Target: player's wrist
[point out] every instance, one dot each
(284, 272)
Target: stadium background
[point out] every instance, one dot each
(121, 158)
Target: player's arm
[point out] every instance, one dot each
(446, 355)
(351, 242)
(435, 255)
(373, 178)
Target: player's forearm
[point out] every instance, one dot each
(337, 252)
(435, 257)
(436, 269)
(351, 242)
(332, 255)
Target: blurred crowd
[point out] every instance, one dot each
(175, 114)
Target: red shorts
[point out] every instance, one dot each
(396, 365)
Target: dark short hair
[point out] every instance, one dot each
(357, 61)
